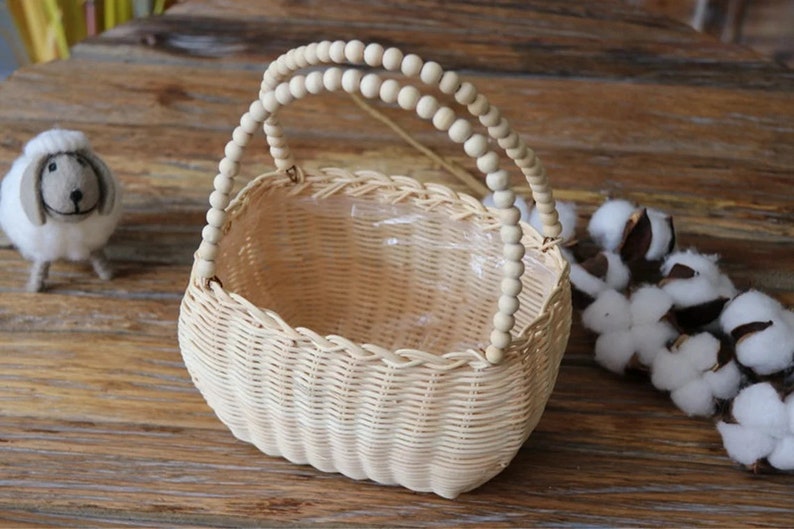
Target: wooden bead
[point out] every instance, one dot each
(513, 252)
(511, 286)
(289, 60)
(503, 322)
(204, 268)
(389, 90)
(228, 168)
(511, 234)
(283, 95)
(248, 123)
(282, 68)
(427, 106)
(514, 269)
(508, 304)
(411, 65)
(510, 141)
(219, 200)
(240, 136)
(276, 141)
(479, 106)
(280, 153)
(269, 101)
(431, 73)
(370, 85)
(504, 199)
(392, 59)
(488, 162)
(257, 111)
(492, 117)
(223, 183)
(297, 86)
(324, 51)
(373, 55)
(351, 81)
(332, 79)
(510, 216)
(233, 151)
(498, 180)
(501, 130)
(518, 152)
(273, 127)
(443, 118)
(466, 93)
(269, 80)
(314, 82)
(493, 354)
(354, 51)
(310, 53)
(337, 51)
(500, 339)
(408, 97)
(449, 83)
(460, 130)
(476, 146)
(208, 251)
(216, 217)
(211, 234)
(300, 57)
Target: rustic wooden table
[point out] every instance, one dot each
(99, 422)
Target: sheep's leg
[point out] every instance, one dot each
(101, 265)
(38, 273)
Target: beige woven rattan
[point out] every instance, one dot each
(373, 325)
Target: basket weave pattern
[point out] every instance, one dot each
(373, 325)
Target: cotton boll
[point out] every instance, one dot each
(759, 407)
(748, 307)
(767, 351)
(649, 304)
(608, 222)
(745, 445)
(701, 350)
(614, 350)
(671, 371)
(790, 412)
(609, 312)
(586, 282)
(663, 235)
(618, 274)
(567, 214)
(782, 457)
(693, 279)
(650, 338)
(725, 381)
(694, 398)
(704, 265)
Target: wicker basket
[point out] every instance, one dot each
(373, 325)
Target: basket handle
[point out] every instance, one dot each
(409, 98)
(355, 52)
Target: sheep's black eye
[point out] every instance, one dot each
(52, 167)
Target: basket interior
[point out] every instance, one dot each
(394, 275)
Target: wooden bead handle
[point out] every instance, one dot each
(431, 73)
(407, 97)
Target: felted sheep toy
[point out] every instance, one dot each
(60, 201)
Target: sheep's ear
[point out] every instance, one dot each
(30, 191)
(107, 185)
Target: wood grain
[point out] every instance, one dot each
(100, 425)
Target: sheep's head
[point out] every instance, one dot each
(67, 187)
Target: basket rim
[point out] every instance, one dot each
(398, 189)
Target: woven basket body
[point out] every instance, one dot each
(346, 326)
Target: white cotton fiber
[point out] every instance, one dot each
(520, 203)
(650, 338)
(759, 407)
(701, 350)
(782, 457)
(706, 285)
(609, 312)
(703, 264)
(768, 351)
(748, 307)
(567, 214)
(694, 398)
(790, 412)
(743, 444)
(649, 304)
(725, 381)
(671, 370)
(586, 282)
(661, 234)
(614, 350)
(618, 274)
(608, 222)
